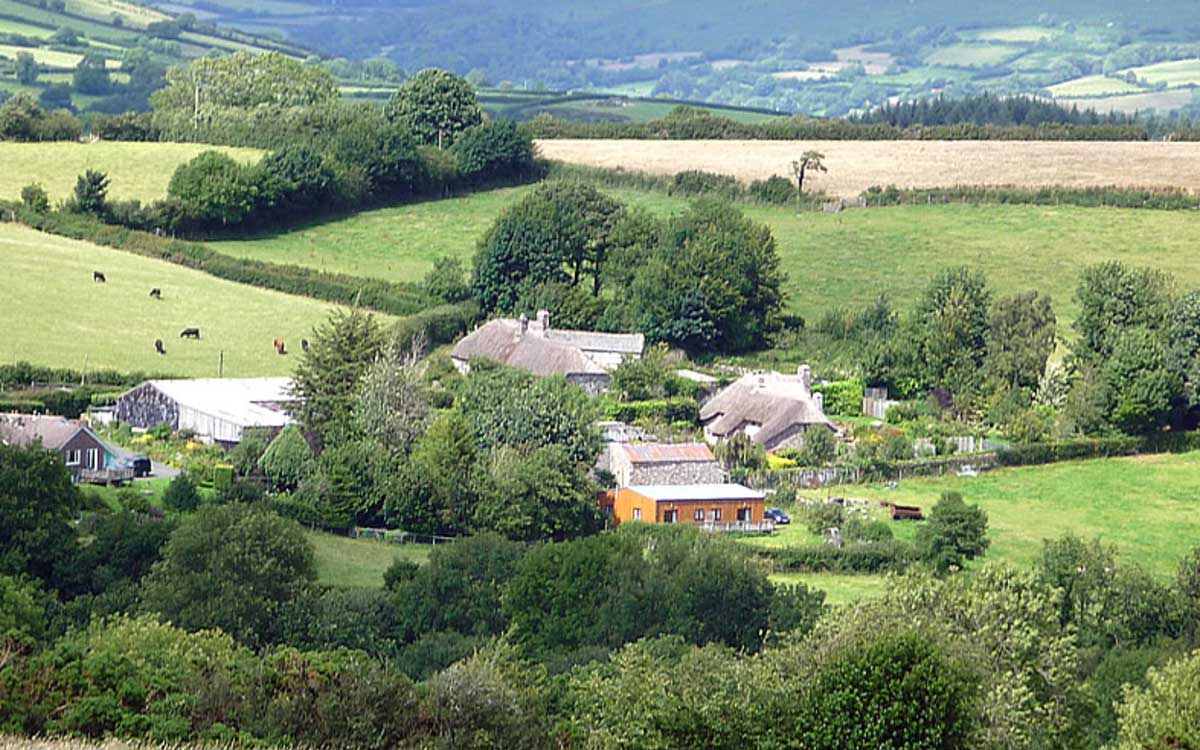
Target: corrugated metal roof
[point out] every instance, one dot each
(248, 402)
(667, 453)
(682, 492)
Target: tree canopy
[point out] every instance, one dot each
(436, 106)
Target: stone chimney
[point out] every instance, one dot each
(543, 320)
(819, 400)
(524, 321)
(805, 373)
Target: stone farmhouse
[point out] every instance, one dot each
(769, 407)
(86, 455)
(582, 357)
(215, 409)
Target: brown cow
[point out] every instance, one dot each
(279, 347)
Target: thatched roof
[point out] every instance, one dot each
(533, 346)
(774, 402)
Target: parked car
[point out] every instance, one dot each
(139, 464)
(778, 516)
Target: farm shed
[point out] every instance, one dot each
(717, 507)
(582, 357)
(215, 409)
(84, 453)
(769, 407)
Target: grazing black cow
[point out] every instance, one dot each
(97, 276)
(158, 346)
(189, 333)
(304, 344)
(156, 293)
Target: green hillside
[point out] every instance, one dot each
(54, 314)
(832, 260)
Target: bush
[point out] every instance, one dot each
(843, 398)
(1069, 450)
(774, 190)
(821, 516)
(222, 478)
(181, 494)
(668, 410)
(892, 556)
(695, 183)
(34, 197)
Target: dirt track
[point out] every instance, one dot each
(856, 165)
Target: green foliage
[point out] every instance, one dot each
(740, 452)
(819, 447)
(1163, 714)
(1021, 339)
(902, 692)
(615, 588)
(328, 378)
(656, 411)
(842, 398)
(1142, 389)
(955, 532)
(436, 494)
(181, 494)
(34, 197)
(446, 281)
(822, 516)
(650, 376)
(493, 150)
(544, 494)
(510, 407)
(23, 119)
(288, 459)
(37, 506)
(393, 406)
(91, 192)
(713, 282)
(1113, 298)
(436, 106)
(952, 325)
(22, 613)
(214, 189)
(556, 234)
(231, 567)
(243, 80)
(795, 608)
(26, 69)
(248, 452)
(91, 76)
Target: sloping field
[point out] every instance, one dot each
(1096, 85)
(1163, 101)
(856, 165)
(55, 314)
(139, 171)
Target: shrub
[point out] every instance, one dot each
(775, 190)
(696, 182)
(288, 459)
(222, 477)
(843, 398)
(822, 516)
(34, 197)
(892, 556)
(181, 494)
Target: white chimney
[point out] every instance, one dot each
(524, 321)
(819, 400)
(543, 320)
(805, 373)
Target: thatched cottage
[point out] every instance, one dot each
(769, 407)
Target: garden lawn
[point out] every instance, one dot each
(55, 314)
(342, 561)
(839, 589)
(138, 171)
(832, 260)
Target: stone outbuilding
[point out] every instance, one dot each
(582, 357)
(663, 464)
(771, 408)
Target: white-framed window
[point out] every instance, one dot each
(716, 514)
(743, 514)
(92, 458)
(637, 514)
(671, 516)
(73, 457)
(699, 516)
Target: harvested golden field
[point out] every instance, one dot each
(856, 165)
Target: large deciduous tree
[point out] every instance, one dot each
(214, 189)
(1114, 297)
(435, 106)
(713, 281)
(954, 533)
(951, 324)
(206, 85)
(557, 234)
(392, 406)
(37, 506)
(231, 567)
(1020, 339)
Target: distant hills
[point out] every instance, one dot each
(811, 57)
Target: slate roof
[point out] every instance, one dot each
(23, 430)
(661, 453)
(683, 492)
(543, 351)
(250, 402)
(773, 401)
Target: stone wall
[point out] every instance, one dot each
(682, 472)
(145, 407)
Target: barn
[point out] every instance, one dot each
(215, 409)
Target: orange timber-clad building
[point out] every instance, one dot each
(701, 504)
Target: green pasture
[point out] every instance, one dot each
(1016, 34)
(845, 259)
(971, 55)
(1096, 85)
(9, 26)
(342, 561)
(54, 314)
(1148, 507)
(1174, 74)
(139, 171)
(1162, 101)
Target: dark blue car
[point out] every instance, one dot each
(778, 516)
